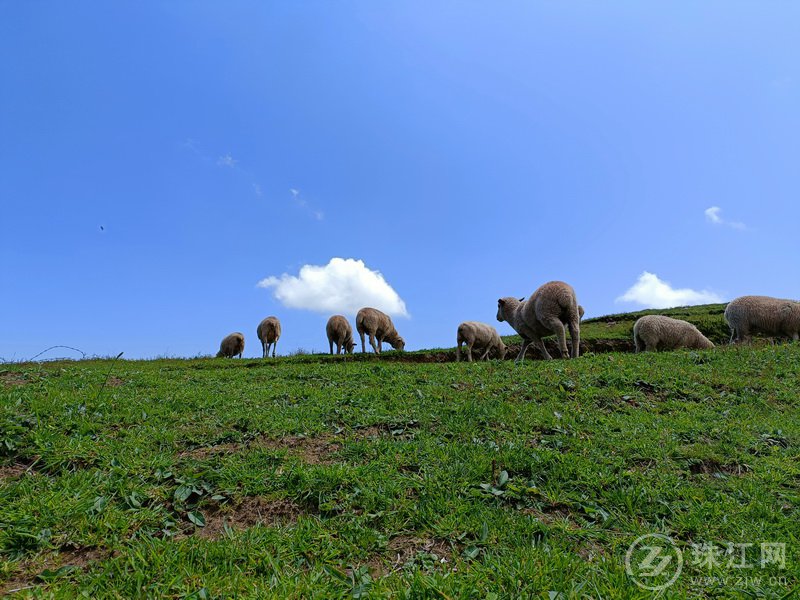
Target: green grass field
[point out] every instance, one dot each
(312, 477)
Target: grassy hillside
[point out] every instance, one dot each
(317, 478)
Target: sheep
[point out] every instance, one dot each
(231, 345)
(546, 312)
(762, 314)
(379, 326)
(653, 332)
(480, 335)
(269, 331)
(340, 333)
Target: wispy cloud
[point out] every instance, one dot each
(301, 202)
(343, 285)
(226, 161)
(713, 216)
(651, 292)
(257, 190)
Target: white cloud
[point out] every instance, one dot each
(226, 161)
(652, 292)
(343, 285)
(713, 216)
(257, 189)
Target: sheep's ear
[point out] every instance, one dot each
(501, 302)
(522, 299)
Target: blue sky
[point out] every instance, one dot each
(160, 159)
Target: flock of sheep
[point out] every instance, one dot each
(551, 309)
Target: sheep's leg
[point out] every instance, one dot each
(543, 349)
(575, 337)
(485, 355)
(521, 356)
(263, 350)
(330, 343)
(458, 351)
(274, 348)
(375, 348)
(361, 333)
(469, 351)
(556, 326)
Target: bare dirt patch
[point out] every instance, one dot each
(13, 378)
(714, 467)
(553, 515)
(248, 512)
(28, 574)
(114, 381)
(315, 450)
(403, 549)
(312, 450)
(12, 471)
(204, 452)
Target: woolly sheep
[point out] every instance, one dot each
(269, 331)
(481, 336)
(340, 333)
(654, 332)
(762, 314)
(546, 312)
(231, 345)
(378, 325)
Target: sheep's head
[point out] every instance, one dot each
(501, 303)
(349, 345)
(506, 306)
(398, 343)
(503, 350)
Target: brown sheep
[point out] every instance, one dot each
(481, 336)
(269, 331)
(378, 325)
(659, 332)
(762, 314)
(231, 345)
(546, 312)
(340, 333)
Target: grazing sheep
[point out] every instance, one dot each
(269, 331)
(762, 314)
(379, 326)
(657, 332)
(481, 336)
(546, 312)
(340, 333)
(231, 345)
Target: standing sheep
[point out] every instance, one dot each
(762, 314)
(546, 312)
(481, 336)
(340, 333)
(269, 331)
(379, 326)
(231, 345)
(654, 332)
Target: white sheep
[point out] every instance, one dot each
(480, 336)
(231, 345)
(378, 325)
(546, 312)
(658, 332)
(762, 314)
(269, 331)
(340, 333)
